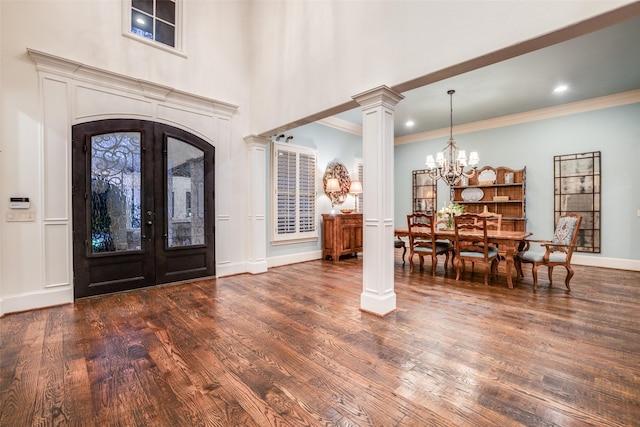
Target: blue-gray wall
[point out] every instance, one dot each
(615, 132)
(332, 145)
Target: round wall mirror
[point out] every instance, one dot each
(337, 194)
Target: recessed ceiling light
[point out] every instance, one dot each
(409, 123)
(140, 21)
(560, 89)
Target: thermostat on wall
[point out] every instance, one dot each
(19, 203)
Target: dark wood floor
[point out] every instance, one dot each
(290, 348)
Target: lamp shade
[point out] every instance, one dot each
(356, 187)
(333, 184)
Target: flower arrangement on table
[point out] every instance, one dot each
(448, 212)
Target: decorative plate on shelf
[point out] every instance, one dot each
(472, 194)
(346, 211)
(487, 175)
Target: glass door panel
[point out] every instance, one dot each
(185, 192)
(115, 192)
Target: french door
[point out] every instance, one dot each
(143, 202)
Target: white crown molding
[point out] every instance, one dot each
(609, 101)
(80, 72)
(342, 125)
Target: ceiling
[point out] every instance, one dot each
(601, 63)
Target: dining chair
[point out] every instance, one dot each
(557, 251)
(422, 242)
(471, 244)
(400, 244)
(494, 220)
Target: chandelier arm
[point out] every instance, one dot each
(450, 163)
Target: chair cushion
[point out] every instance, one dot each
(440, 247)
(535, 256)
(474, 254)
(444, 245)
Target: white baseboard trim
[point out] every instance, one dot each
(231, 269)
(293, 258)
(257, 267)
(596, 261)
(34, 300)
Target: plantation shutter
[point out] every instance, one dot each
(286, 192)
(295, 193)
(360, 170)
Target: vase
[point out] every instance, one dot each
(449, 221)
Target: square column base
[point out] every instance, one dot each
(378, 305)
(257, 267)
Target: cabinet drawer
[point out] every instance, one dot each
(351, 221)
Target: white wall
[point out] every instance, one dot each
(310, 56)
(38, 110)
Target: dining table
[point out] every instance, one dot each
(508, 243)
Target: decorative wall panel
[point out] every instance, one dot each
(56, 248)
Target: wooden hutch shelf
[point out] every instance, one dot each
(501, 195)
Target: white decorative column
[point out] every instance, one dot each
(378, 296)
(257, 244)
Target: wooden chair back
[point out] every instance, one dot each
(565, 236)
(470, 233)
(494, 220)
(421, 228)
(422, 241)
(471, 244)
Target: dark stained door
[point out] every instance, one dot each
(143, 206)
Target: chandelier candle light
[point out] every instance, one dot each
(449, 166)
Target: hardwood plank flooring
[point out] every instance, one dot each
(291, 348)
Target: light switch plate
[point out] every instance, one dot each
(21, 216)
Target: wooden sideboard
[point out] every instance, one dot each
(341, 235)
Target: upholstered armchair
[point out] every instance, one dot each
(471, 244)
(422, 241)
(557, 252)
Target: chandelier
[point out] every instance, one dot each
(449, 165)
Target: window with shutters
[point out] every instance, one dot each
(358, 166)
(294, 197)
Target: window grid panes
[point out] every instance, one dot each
(154, 20)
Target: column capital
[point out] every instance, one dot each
(379, 96)
(256, 141)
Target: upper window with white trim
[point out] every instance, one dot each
(155, 20)
(294, 195)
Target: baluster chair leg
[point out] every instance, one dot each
(569, 276)
(534, 273)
